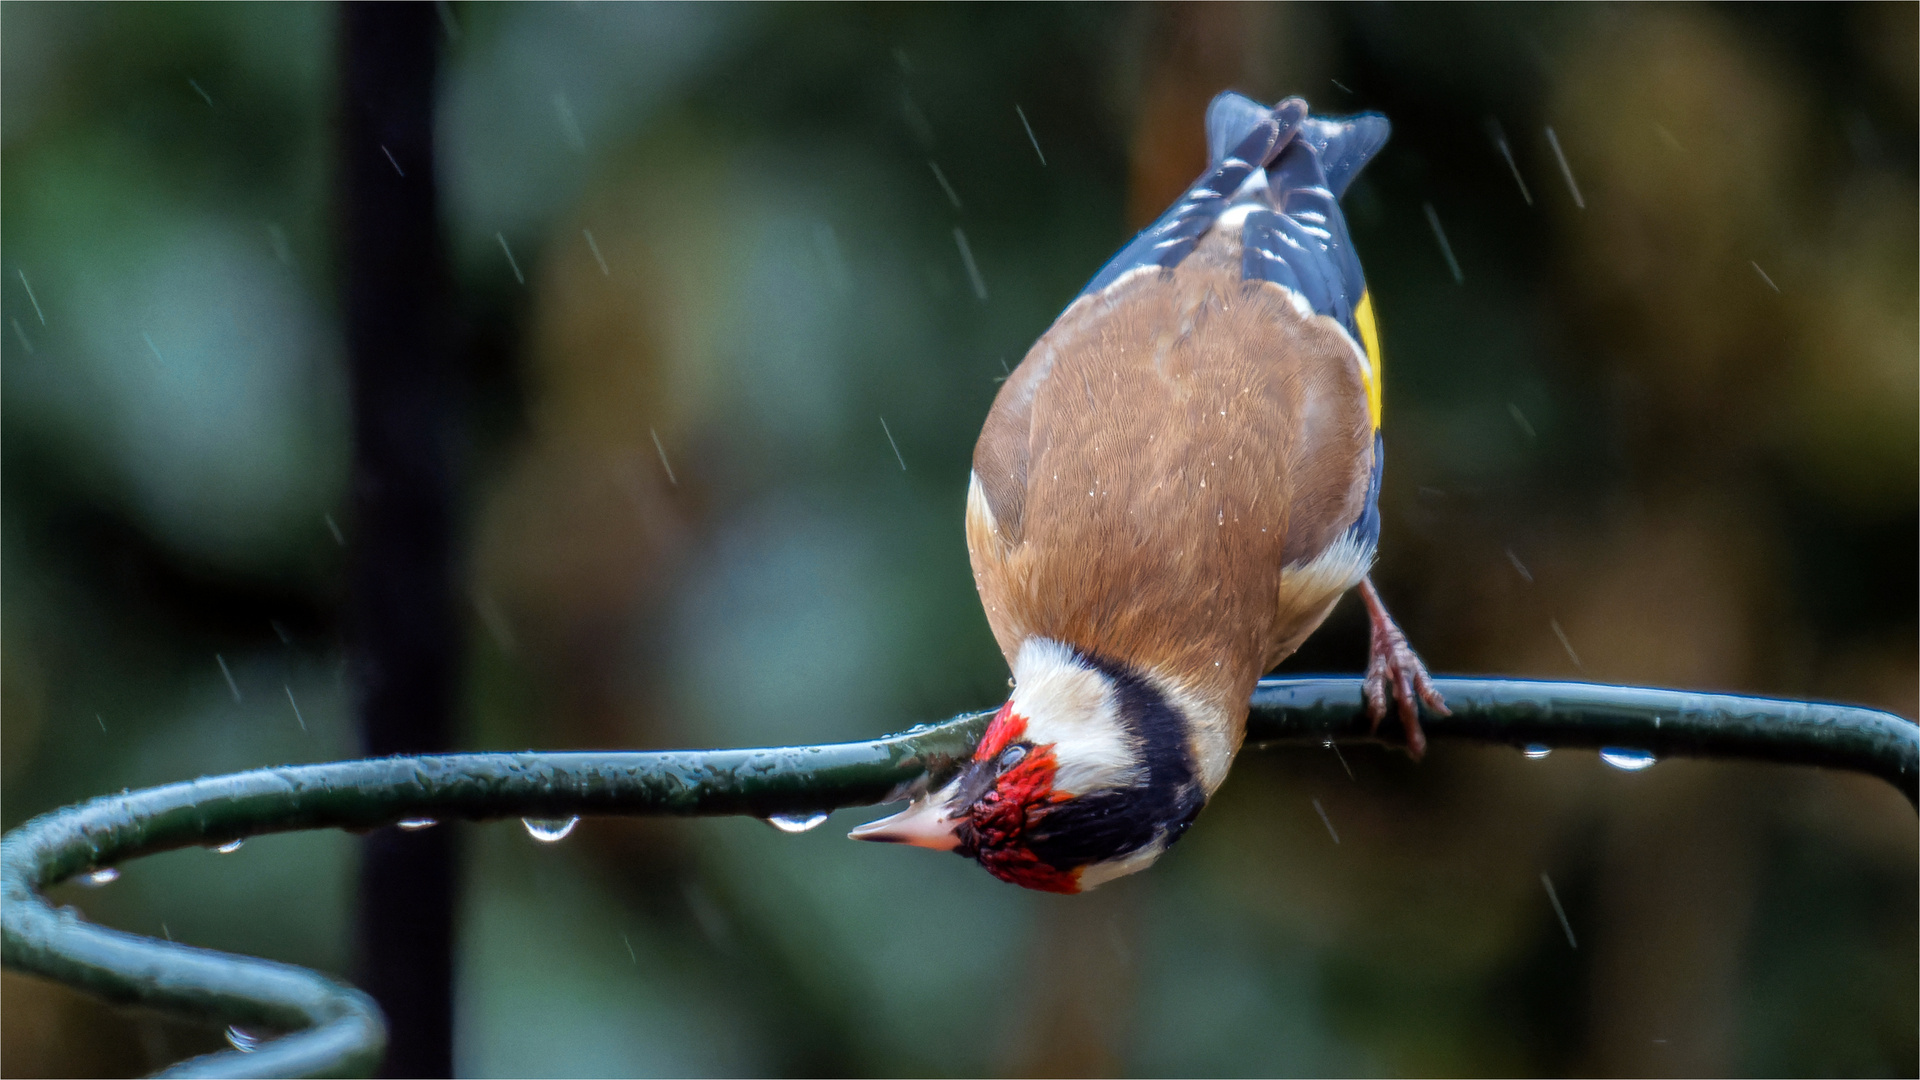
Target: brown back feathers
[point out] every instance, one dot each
(1162, 454)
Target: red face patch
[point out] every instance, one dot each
(1018, 866)
(997, 823)
(1007, 726)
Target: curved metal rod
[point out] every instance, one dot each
(336, 1030)
(1665, 723)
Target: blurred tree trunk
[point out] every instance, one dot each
(402, 618)
(1194, 51)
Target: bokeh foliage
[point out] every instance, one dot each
(1667, 437)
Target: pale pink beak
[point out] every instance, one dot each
(922, 824)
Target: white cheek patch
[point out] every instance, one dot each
(1076, 709)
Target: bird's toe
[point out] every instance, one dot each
(1394, 664)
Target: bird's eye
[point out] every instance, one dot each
(1012, 756)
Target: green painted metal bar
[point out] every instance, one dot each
(336, 1030)
(1666, 723)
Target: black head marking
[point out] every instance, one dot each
(1110, 824)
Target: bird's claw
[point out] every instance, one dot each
(1394, 669)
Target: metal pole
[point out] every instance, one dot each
(403, 646)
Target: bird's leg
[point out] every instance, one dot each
(1393, 664)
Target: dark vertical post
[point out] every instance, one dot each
(402, 615)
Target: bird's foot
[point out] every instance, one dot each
(1394, 668)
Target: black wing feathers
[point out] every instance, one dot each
(1174, 236)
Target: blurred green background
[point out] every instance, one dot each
(1661, 429)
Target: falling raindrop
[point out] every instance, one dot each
(243, 1040)
(228, 673)
(549, 830)
(1631, 760)
(36, 300)
(1325, 820)
(973, 268)
(895, 445)
(663, 457)
(415, 824)
(952, 195)
(230, 846)
(296, 708)
(796, 823)
(277, 239)
(1536, 751)
(1566, 170)
(1499, 137)
(1520, 567)
(1565, 643)
(569, 124)
(595, 248)
(1340, 757)
(1520, 419)
(106, 875)
(1565, 923)
(1022, 113)
(1446, 249)
(512, 263)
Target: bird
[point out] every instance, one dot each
(1169, 494)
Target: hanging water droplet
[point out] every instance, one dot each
(796, 823)
(106, 875)
(415, 824)
(1621, 757)
(549, 830)
(1536, 750)
(243, 1040)
(230, 846)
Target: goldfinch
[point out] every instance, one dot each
(1169, 494)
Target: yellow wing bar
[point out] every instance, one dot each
(1370, 338)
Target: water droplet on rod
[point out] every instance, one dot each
(230, 846)
(796, 823)
(106, 875)
(549, 830)
(1536, 750)
(1631, 760)
(415, 824)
